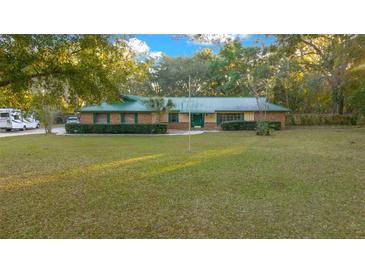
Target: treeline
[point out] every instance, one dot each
(307, 73)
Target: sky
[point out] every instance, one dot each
(158, 44)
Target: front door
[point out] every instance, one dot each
(197, 120)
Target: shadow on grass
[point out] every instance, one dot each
(19, 181)
(194, 159)
(15, 182)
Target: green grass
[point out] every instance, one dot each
(299, 183)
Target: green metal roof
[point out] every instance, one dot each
(198, 105)
(122, 106)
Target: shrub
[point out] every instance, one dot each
(117, 129)
(262, 128)
(276, 125)
(248, 125)
(239, 125)
(320, 119)
(360, 121)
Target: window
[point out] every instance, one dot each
(222, 117)
(173, 117)
(4, 115)
(101, 118)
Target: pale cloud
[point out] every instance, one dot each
(138, 46)
(142, 50)
(210, 39)
(156, 54)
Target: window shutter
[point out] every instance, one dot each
(122, 118)
(94, 118)
(136, 118)
(170, 117)
(108, 118)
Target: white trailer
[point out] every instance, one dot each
(11, 118)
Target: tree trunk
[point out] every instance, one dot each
(336, 82)
(48, 119)
(340, 104)
(287, 98)
(48, 128)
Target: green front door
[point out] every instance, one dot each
(197, 120)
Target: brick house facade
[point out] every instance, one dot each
(206, 112)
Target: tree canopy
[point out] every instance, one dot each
(89, 68)
(327, 60)
(307, 73)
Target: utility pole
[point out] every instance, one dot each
(189, 115)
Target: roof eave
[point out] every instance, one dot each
(118, 111)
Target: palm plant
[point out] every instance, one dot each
(160, 105)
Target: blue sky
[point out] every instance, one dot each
(166, 43)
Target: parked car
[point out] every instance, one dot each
(11, 118)
(72, 120)
(31, 122)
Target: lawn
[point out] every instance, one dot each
(299, 183)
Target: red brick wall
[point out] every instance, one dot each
(211, 125)
(185, 126)
(144, 118)
(86, 118)
(182, 126)
(273, 116)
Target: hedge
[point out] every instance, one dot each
(117, 129)
(320, 119)
(247, 125)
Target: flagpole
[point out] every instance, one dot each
(189, 115)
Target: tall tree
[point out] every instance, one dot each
(331, 57)
(227, 68)
(73, 68)
(90, 66)
(171, 76)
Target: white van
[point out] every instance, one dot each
(11, 118)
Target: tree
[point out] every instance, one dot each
(355, 92)
(331, 57)
(171, 76)
(77, 68)
(239, 70)
(45, 107)
(226, 69)
(21, 99)
(259, 78)
(159, 105)
(90, 65)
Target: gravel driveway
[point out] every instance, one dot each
(57, 130)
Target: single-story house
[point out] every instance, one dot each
(206, 112)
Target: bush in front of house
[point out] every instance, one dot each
(263, 128)
(238, 125)
(250, 125)
(116, 129)
(320, 119)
